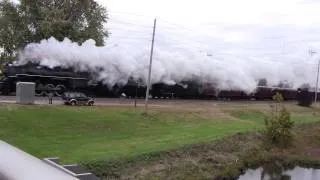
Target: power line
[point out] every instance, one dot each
(131, 14)
(181, 27)
(130, 23)
(171, 39)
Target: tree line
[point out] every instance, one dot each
(29, 21)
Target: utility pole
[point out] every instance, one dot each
(150, 65)
(136, 96)
(316, 91)
(312, 52)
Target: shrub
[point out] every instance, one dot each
(278, 125)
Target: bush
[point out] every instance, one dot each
(278, 126)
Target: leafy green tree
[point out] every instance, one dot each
(12, 31)
(278, 126)
(34, 20)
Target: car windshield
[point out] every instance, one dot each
(75, 95)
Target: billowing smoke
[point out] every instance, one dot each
(118, 62)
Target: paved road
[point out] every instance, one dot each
(140, 102)
(58, 101)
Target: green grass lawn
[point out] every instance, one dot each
(96, 133)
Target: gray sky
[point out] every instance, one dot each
(298, 12)
(275, 22)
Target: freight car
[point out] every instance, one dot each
(208, 91)
(266, 93)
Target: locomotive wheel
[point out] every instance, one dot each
(60, 89)
(49, 88)
(39, 90)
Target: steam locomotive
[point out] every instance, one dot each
(59, 80)
(47, 80)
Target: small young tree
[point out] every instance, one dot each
(278, 125)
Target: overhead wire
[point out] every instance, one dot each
(181, 28)
(187, 29)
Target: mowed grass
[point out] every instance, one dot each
(105, 133)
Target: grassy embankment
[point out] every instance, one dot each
(109, 134)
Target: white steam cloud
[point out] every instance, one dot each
(122, 61)
(232, 56)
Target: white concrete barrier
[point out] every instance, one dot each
(18, 165)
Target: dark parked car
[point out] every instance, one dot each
(77, 98)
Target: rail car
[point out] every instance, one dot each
(205, 91)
